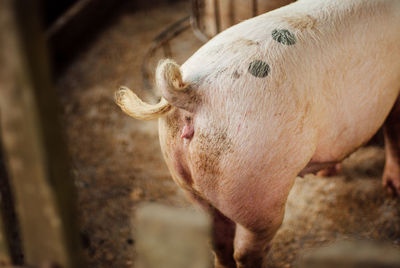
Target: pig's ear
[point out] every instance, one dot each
(174, 90)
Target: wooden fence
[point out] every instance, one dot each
(38, 186)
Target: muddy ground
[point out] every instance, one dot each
(117, 161)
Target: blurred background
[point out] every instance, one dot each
(74, 168)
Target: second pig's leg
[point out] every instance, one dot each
(258, 217)
(391, 174)
(252, 246)
(223, 233)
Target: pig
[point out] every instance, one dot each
(289, 92)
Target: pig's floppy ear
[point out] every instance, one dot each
(173, 89)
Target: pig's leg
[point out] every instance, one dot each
(330, 171)
(223, 233)
(252, 246)
(391, 174)
(261, 221)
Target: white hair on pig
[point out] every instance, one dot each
(174, 91)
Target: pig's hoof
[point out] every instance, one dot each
(330, 171)
(392, 184)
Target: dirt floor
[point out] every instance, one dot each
(117, 162)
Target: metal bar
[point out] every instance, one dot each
(65, 18)
(36, 155)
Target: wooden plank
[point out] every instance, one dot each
(265, 6)
(5, 258)
(172, 237)
(10, 242)
(351, 254)
(35, 152)
(74, 29)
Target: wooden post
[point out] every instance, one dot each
(35, 153)
(265, 6)
(10, 241)
(4, 253)
(171, 237)
(214, 16)
(351, 254)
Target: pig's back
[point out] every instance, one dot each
(358, 73)
(340, 71)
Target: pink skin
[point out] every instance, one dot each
(187, 132)
(235, 140)
(391, 173)
(330, 171)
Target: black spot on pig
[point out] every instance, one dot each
(283, 36)
(259, 68)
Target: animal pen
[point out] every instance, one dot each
(82, 185)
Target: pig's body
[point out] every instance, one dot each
(283, 94)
